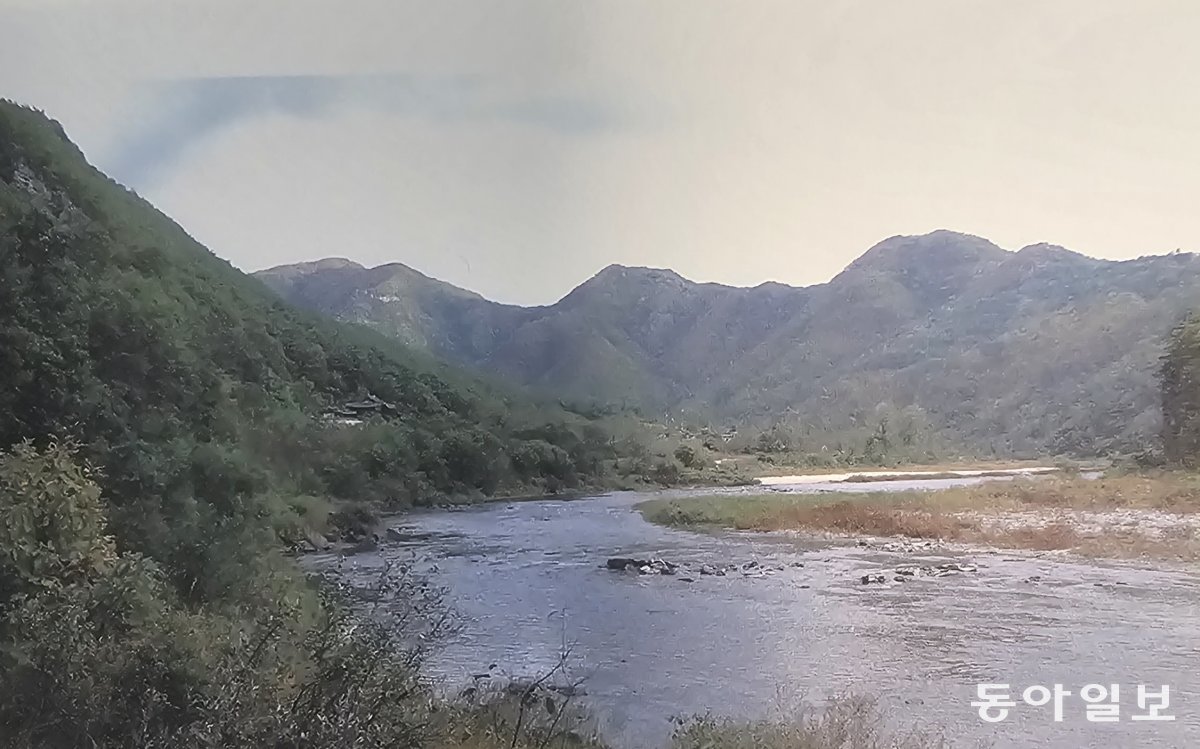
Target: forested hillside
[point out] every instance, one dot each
(182, 377)
(944, 342)
(162, 437)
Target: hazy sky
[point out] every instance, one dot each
(517, 147)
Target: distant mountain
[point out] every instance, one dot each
(996, 352)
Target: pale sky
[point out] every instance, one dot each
(515, 148)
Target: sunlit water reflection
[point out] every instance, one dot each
(528, 577)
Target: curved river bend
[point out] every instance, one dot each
(525, 577)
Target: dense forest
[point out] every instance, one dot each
(164, 440)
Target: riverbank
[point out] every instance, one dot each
(1152, 516)
(356, 526)
(536, 716)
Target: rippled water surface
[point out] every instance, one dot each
(527, 577)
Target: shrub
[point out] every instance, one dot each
(96, 651)
(666, 472)
(686, 455)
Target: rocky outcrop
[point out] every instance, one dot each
(913, 572)
(752, 568)
(903, 546)
(642, 567)
(621, 564)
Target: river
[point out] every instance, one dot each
(527, 577)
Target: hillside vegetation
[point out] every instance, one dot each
(162, 441)
(194, 388)
(939, 345)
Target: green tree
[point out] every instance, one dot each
(1180, 376)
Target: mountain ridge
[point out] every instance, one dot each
(946, 331)
(337, 262)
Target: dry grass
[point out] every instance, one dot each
(844, 723)
(491, 720)
(1124, 516)
(1173, 492)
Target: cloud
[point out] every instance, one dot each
(173, 116)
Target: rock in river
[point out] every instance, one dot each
(621, 564)
(905, 574)
(641, 566)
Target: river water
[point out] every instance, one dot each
(527, 578)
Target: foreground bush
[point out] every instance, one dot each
(96, 651)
